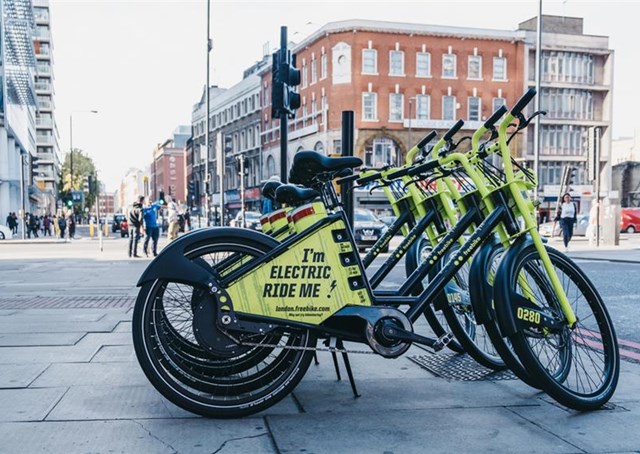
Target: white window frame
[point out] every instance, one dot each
(444, 98)
(401, 53)
(373, 52)
(314, 71)
(496, 59)
(375, 106)
(474, 57)
(393, 96)
(469, 98)
(323, 67)
(455, 66)
(428, 55)
(426, 98)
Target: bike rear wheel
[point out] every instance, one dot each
(578, 366)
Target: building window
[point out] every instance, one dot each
(423, 64)
(314, 71)
(305, 76)
(319, 147)
(396, 63)
(567, 103)
(422, 107)
(380, 153)
(475, 67)
(369, 61)
(499, 68)
(369, 106)
(474, 108)
(497, 103)
(448, 107)
(271, 166)
(567, 67)
(396, 102)
(337, 146)
(323, 66)
(449, 66)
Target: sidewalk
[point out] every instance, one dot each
(628, 251)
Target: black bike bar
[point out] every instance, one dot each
(398, 173)
(522, 102)
(368, 179)
(348, 179)
(455, 128)
(495, 116)
(426, 139)
(427, 166)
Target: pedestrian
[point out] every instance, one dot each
(46, 225)
(15, 223)
(174, 220)
(135, 219)
(152, 231)
(10, 221)
(62, 225)
(71, 223)
(567, 215)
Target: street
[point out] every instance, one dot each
(70, 382)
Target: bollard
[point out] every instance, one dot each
(91, 229)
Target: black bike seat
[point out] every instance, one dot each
(294, 195)
(308, 164)
(269, 189)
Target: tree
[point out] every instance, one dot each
(83, 166)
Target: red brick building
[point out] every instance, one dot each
(401, 80)
(168, 166)
(106, 203)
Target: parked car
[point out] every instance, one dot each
(5, 232)
(580, 229)
(630, 220)
(117, 221)
(388, 220)
(252, 220)
(367, 229)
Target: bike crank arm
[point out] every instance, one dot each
(394, 333)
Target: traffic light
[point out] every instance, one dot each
(161, 198)
(285, 77)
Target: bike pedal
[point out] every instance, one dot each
(442, 341)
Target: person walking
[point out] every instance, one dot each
(174, 221)
(15, 223)
(150, 215)
(62, 225)
(135, 219)
(567, 216)
(46, 226)
(71, 223)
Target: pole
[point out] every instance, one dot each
(98, 212)
(284, 127)
(346, 195)
(71, 152)
(410, 115)
(537, 131)
(221, 169)
(207, 179)
(22, 197)
(241, 158)
(596, 144)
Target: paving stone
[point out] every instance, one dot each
(58, 315)
(91, 374)
(465, 430)
(137, 436)
(380, 395)
(596, 431)
(27, 355)
(7, 312)
(39, 339)
(123, 327)
(99, 339)
(28, 404)
(19, 375)
(44, 326)
(115, 353)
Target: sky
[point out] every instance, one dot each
(142, 64)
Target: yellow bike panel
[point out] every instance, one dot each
(307, 283)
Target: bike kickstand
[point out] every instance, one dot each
(315, 358)
(332, 344)
(347, 364)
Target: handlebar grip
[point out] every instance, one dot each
(426, 139)
(522, 102)
(495, 116)
(430, 165)
(455, 128)
(368, 178)
(398, 173)
(347, 179)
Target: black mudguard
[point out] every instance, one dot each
(480, 292)
(173, 265)
(502, 291)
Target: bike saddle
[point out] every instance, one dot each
(294, 195)
(309, 164)
(269, 189)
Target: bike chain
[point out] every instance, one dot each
(291, 347)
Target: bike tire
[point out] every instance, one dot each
(591, 346)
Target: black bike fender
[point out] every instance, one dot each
(171, 264)
(501, 291)
(480, 293)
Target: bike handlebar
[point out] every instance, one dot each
(495, 116)
(522, 102)
(427, 166)
(426, 139)
(368, 178)
(455, 128)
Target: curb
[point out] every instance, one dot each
(601, 259)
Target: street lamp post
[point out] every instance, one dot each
(207, 179)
